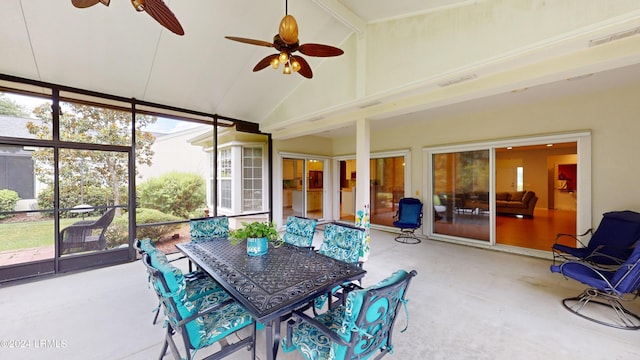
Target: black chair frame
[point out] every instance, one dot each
(169, 342)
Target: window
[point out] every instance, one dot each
(519, 178)
(224, 178)
(252, 179)
(16, 170)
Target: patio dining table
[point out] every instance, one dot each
(272, 285)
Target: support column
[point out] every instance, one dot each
(363, 190)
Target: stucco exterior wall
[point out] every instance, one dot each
(611, 115)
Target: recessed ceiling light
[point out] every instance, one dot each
(509, 147)
(549, 145)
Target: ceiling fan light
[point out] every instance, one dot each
(275, 63)
(287, 69)
(138, 5)
(284, 57)
(295, 65)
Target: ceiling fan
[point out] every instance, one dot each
(286, 42)
(156, 8)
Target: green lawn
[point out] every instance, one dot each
(15, 236)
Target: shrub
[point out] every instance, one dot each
(8, 200)
(179, 194)
(71, 196)
(118, 231)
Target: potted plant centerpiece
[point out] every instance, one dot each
(258, 234)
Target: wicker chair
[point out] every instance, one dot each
(86, 235)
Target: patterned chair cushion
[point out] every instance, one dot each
(146, 245)
(223, 322)
(176, 282)
(208, 228)
(313, 344)
(342, 243)
(211, 327)
(299, 231)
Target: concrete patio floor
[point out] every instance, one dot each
(465, 303)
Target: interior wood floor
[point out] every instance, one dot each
(537, 233)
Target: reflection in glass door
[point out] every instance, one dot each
(302, 188)
(461, 182)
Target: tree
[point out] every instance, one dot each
(86, 174)
(12, 108)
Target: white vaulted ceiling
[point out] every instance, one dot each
(118, 51)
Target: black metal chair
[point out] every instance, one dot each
(200, 320)
(342, 242)
(408, 219)
(198, 278)
(360, 329)
(86, 235)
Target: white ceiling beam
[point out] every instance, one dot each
(344, 15)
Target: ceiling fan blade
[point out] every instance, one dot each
(86, 3)
(161, 13)
(250, 41)
(265, 62)
(320, 50)
(305, 69)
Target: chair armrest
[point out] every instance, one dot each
(596, 270)
(574, 236)
(318, 325)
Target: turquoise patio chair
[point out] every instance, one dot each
(208, 228)
(197, 285)
(359, 329)
(299, 231)
(342, 242)
(200, 321)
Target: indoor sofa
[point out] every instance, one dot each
(516, 203)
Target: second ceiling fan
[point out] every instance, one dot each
(286, 42)
(157, 9)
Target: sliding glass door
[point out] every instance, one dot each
(518, 193)
(387, 184)
(460, 188)
(303, 187)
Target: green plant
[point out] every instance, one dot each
(8, 200)
(179, 194)
(118, 231)
(256, 229)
